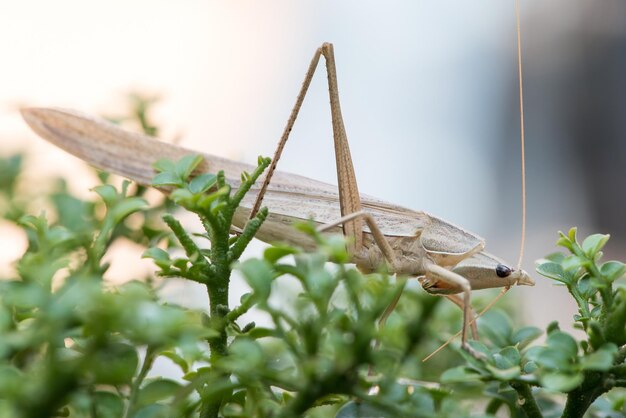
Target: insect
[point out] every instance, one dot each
(447, 260)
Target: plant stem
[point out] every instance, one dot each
(134, 390)
(527, 400)
(579, 400)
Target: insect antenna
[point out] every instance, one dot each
(523, 174)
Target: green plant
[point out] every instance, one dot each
(73, 345)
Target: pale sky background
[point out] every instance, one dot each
(427, 91)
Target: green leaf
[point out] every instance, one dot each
(601, 359)
(157, 390)
(555, 271)
(115, 364)
(613, 270)
(511, 354)
(276, 252)
(525, 336)
(206, 201)
(561, 382)
(361, 410)
(183, 197)
(176, 359)
(460, 374)
(594, 243)
(567, 241)
(127, 207)
(167, 178)
(245, 356)
(161, 258)
(497, 327)
(563, 342)
(186, 165)
(202, 183)
(107, 192)
(616, 319)
(530, 367)
(552, 327)
(504, 374)
(154, 411)
(259, 276)
(164, 165)
(108, 405)
(572, 263)
(550, 358)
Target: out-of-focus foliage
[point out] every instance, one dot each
(73, 345)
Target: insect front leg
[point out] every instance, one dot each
(459, 283)
(459, 302)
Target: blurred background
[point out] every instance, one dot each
(429, 96)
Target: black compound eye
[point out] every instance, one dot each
(502, 270)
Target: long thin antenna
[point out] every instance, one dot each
(521, 117)
(523, 159)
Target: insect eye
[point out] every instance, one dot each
(502, 270)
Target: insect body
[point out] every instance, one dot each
(446, 259)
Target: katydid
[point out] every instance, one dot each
(446, 260)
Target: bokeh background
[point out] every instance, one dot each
(429, 95)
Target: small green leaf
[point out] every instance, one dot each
(157, 390)
(511, 354)
(594, 243)
(601, 359)
(127, 207)
(259, 276)
(164, 165)
(167, 178)
(115, 364)
(613, 270)
(186, 165)
(563, 342)
(107, 193)
(530, 367)
(550, 358)
(153, 411)
(554, 271)
(460, 374)
(504, 374)
(567, 241)
(524, 336)
(276, 252)
(497, 327)
(245, 354)
(176, 359)
(561, 382)
(572, 234)
(182, 197)
(552, 327)
(572, 263)
(157, 254)
(207, 201)
(361, 410)
(202, 183)
(108, 405)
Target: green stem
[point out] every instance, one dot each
(579, 400)
(527, 400)
(134, 390)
